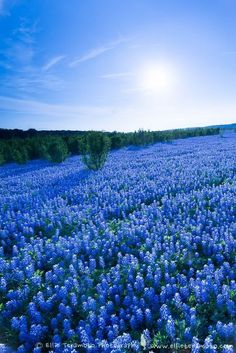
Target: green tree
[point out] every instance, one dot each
(20, 155)
(16, 151)
(116, 140)
(35, 147)
(56, 150)
(74, 144)
(2, 157)
(95, 149)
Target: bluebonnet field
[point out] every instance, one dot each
(138, 254)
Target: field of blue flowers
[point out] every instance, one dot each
(136, 257)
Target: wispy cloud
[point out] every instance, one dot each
(94, 53)
(35, 107)
(5, 7)
(5, 65)
(19, 50)
(42, 115)
(118, 75)
(26, 114)
(22, 74)
(31, 81)
(25, 33)
(52, 62)
(1, 6)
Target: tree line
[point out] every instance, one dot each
(21, 146)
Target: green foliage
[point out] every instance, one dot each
(52, 148)
(74, 144)
(15, 151)
(160, 341)
(117, 140)
(57, 150)
(56, 145)
(36, 147)
(20, 155)
(2, 157)
(95, 149)
(143, 138)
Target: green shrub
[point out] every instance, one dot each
(20, 155)
(57, 153)
(74, 144)
(20, 146)
(55, 150)
(95, 149)
(16, 151)
(2, 160)
(2, 157)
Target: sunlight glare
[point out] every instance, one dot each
(156, 79)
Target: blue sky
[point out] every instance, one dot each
(117, 64)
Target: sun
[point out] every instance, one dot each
(156, 79)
